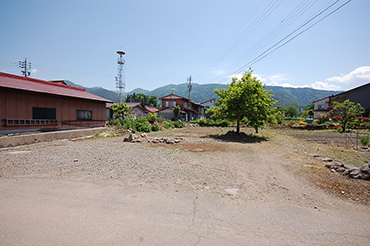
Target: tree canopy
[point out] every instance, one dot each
(246, 99)
(346, 111)
(292, 111)
(120, 111)
(151, 101)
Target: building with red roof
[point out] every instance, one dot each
(28, 103)
(188, 109)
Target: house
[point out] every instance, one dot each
(188, 109)
(138, 109)
(28, 103)
(321, 107)
(357, 95)
(208, 105)
(152, 110)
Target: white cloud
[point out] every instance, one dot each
(356, 77)
(219, 72)
(278, 80)
(319, 85)
(238, 76)
(34, 70)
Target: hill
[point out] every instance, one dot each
(299, 97)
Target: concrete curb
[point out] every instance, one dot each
(24, 139)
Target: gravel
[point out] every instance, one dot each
(101, 160)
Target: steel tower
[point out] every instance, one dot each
(120, 83)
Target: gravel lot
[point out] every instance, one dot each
(265, 168)
(270, 178)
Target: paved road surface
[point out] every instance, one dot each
(59, 212)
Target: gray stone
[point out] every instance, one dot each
(232, 191)
(365, 168)
(327, 159)
(350, 167)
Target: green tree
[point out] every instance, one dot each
(176, 111)
(281, 109)
(292, 111)
(153, 101)
(245, 98)
(347, 112)
(308, 111)
(120, 111)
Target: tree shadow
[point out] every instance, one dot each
(242, 137)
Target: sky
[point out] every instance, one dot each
(322, 44)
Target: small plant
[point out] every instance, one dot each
(152, 118)
(365, 141)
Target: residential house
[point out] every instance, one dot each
(28, 103)
(188, 109)
(359, 95)
(138, 109)
(321, 107)
(208, 105)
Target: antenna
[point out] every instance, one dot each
(24, 65)
(120, 84)
(189, 87)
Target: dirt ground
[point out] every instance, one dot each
(212, 188)
(296, 153)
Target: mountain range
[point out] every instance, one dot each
(299, 97)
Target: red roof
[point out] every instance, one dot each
(151, 110)
(41, 86)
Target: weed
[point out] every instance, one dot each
(365, 141)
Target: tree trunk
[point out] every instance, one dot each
(237, 126)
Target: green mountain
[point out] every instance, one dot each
(299, 97)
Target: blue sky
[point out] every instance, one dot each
(166, 41)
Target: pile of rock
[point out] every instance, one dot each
(143, 138)
(354, 172)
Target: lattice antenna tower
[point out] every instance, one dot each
(190, 86)
(120, 83)
(26, 66)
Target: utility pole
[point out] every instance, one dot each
(189, 87)
(24, 65)
(120, 83)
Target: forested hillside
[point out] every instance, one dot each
(285, 96)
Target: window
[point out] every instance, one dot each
(171, 104)
(44, 113)
(84, 114)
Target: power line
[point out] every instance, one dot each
(257, 21)
(277, 46)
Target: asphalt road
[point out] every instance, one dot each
(59, 212)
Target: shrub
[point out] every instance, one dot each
(323, 118)
(178, 124)
(141, 124)
(152, 118)
(155, 127)
(365, 141)
(168, 125)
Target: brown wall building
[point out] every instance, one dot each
(28, 103)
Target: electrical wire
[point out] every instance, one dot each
(281, 43)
